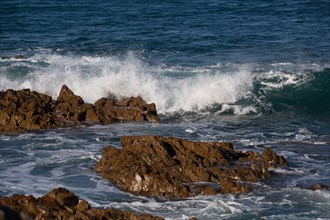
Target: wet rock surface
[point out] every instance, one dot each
(60, 204)
(26, 110)
(318, 186)
(176, 168)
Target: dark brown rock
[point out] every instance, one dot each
(20, 56)
(91, 114)
(127, 109)
(318, 186)
(66, 95)
(26, 110)
(271, 158)
(7, 213)
(63, 197)
(140, 110)
(69, 107)
(170, 167)
(60, 204)
(82, 206)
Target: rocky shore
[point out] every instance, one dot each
(26, 110)
(62, 204)
(175, 168)
(157, 166)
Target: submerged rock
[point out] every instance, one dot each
(26, 110)
(318, 186)
(19, 56)
(176, 168)
(60, 203)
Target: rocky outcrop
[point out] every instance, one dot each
(60, 204)
(26, 110)
(176, 168)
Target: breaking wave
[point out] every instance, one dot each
(229, 88)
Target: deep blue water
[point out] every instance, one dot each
(172, 32)
(256, 73)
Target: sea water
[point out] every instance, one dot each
(254, 73)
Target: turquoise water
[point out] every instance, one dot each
(254, 73)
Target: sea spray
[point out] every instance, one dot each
(223, 88)
(94, 77)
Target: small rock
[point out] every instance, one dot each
(20, 56)
(208, 191)
(60, 203)
(272, 159)
(66, 95)
(64, 197)
(82, 205)
(318, 186)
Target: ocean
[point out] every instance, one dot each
(255, 73)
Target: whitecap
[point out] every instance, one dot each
(191, 130)
(95, 77)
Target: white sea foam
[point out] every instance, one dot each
(291, 171)
(278, 79)
(171, 88)
(200, 207)
(95, 77)
(191, 130)
(237, 109)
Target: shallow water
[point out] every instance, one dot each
(34, 163)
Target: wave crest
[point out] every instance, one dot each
(222, 88)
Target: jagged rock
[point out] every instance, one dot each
(60, 204)
(173, 168)
(128, 109)
(66, 95)
(69, 107)
(271, 158)
(26, 110)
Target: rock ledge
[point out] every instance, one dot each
(176, 168)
